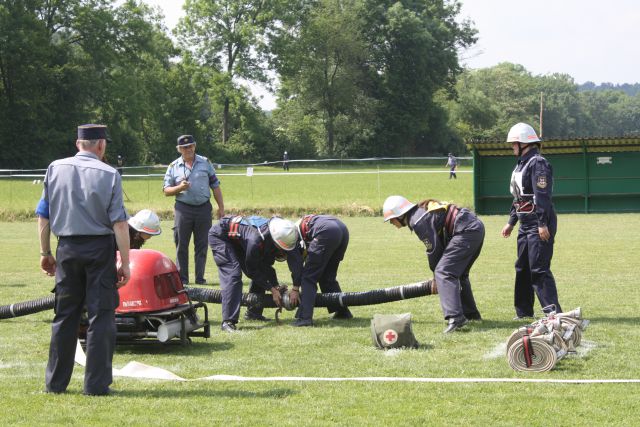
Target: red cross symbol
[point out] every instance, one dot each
(390, 336)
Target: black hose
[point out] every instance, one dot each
(27, 307)
(338, 299)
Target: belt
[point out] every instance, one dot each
(304, 225)
(86, 236)
(450, 219)
(524, 207)
(193, 206)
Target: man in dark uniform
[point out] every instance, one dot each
(251, 245)
(285, 161)
(453, 237)
(324, 239)
(531, 186)
(190, 178)
(82, 205)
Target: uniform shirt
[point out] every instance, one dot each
(201, 176)
(429, 227)
(259, 254)
(83, 195)
(537, 186)
(452, 161)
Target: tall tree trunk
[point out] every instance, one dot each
(225, 121)
(330, 127)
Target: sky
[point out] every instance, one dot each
(591, 40)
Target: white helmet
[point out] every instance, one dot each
(522, 133)
(284, 233)
(146, 221)
(395, 206)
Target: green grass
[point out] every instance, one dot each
(352, 194)
(594, 264)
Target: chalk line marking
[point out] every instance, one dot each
(142, 371)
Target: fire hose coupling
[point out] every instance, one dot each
(537, 347)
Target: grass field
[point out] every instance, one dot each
(594, 265)
(352, 192)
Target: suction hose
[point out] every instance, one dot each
(27, 307)
(341, 299)
(337, 299)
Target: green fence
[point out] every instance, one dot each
(590, 175)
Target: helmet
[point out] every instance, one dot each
(395, 206)
(522, 133)
(284, 233)
(146, 221)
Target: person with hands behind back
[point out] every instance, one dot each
(82, 205)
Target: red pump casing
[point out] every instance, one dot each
(155, 284)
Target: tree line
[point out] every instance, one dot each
(354, 78)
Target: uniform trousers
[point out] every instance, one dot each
(533, 269)
(452, 272)
(85, 275)
(324, 254)
(196, 220)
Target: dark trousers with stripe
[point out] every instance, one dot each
(324, 254)
(533, 269)
(85, 275)
(190, 220)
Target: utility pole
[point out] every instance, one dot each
(541, 110)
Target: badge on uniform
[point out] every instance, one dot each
(393, 331)
(542, 182)
(428, 244)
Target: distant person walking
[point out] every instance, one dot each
(285, 161)
(82, 205)
(452, 163)
(532, 187)
(120, 164)
(190, 178)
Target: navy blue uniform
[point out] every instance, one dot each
(531, 186)
(325, 240)
(245, 248)
(453, 238)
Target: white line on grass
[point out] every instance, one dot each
(142, 371)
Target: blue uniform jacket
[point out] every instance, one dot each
(259, 254)
(429, 227)
(537, 180)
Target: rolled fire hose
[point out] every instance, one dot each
(347, 299)
(541, 356)
(529, 347)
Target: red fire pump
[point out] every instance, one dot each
(155, 305)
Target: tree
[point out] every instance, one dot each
(414, 48)
(227, 36)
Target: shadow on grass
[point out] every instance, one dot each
(197, 391)
(15, 285)
(199, 348)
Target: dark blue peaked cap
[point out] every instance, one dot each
(91, 131)
(186, 140)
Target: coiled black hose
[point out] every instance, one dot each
(341, 299)
(27, 307)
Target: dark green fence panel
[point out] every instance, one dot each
(590, 175)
